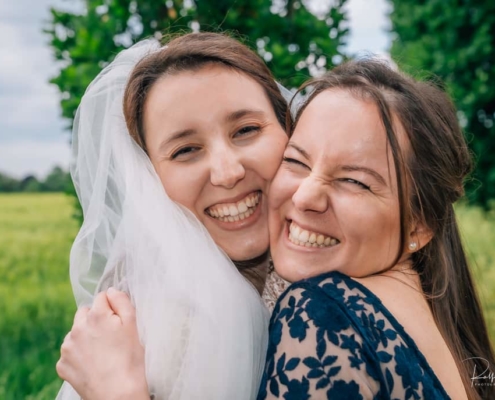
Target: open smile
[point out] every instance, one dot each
(305, 238)
(238, 211)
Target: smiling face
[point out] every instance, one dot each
(216, 143)
(333, 202)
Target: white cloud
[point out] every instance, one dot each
(26, 157)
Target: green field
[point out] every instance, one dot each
(36, 304)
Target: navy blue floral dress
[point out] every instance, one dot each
(331, 338)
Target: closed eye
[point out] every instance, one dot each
(294, 161)
(355, 182)
(188, 150)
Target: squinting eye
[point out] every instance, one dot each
(294, 161)
(355, 182)
(247, 130)
(184, 151)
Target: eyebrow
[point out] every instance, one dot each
(366, 170)
(176, 136)
(234, 116)
(303, 152)
(348, 168)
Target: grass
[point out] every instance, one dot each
(36, 303)
(478, 235)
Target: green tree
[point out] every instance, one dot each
(455, 40)
(8, 184)
(56, 181)
(30, 184)
(293, 41)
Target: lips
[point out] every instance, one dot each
(235, 211)
(306, 238)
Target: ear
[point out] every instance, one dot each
(419, 236)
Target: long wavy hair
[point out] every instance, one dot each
(430, 177)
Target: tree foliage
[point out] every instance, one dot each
(295, 43)
(455, 40)
(57, 180)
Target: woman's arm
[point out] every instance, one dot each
(102, 357)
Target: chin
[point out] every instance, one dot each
(242, 251)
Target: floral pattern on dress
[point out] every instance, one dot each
(331, 338)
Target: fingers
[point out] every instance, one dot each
(121, 305)
(62, 366)
(101, 305)
(81, 315)
(100, 310)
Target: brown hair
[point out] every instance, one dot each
(192, 52)
(430, 179)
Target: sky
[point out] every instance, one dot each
(33, 135)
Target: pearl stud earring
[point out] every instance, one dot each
(412, 246)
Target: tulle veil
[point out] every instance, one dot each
(203, 326)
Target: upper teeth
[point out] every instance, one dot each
(302, 237)
(235, 211)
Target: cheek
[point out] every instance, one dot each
(180, 185)
(269, 153)
(282, 189)
(374, 227)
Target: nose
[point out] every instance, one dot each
(310, 196)
(226, 169)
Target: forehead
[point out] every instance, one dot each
(337, 122)
(209, 89)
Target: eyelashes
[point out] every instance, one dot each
(355, 182)
(343, 180)
(247, 130)
(184, 151)
(294, 161)
(190, 150)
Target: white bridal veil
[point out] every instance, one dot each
(203, 325)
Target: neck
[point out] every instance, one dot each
(255, 270)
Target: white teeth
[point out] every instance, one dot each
(242, 207)
(297, 231)
(235, 212)
(302, 237)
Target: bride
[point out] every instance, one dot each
(174, 149)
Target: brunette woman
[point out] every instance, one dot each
(362, 220)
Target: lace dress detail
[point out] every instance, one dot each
(331, 338)
(274, 287)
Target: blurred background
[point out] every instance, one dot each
(50, 50)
